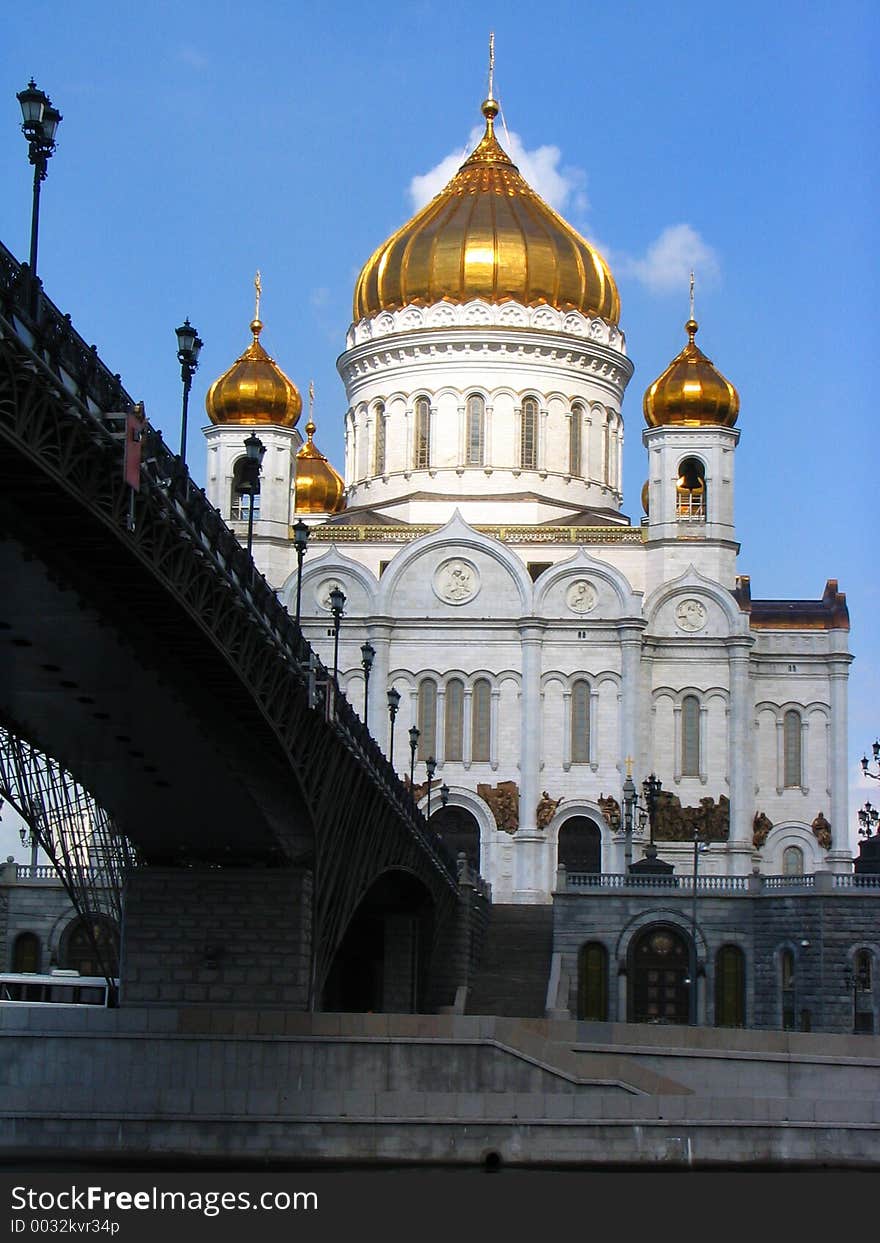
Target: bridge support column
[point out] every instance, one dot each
(216, 937)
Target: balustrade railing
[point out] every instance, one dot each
(51, 336)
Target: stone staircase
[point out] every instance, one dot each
(511, 979)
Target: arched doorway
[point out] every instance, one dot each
(579, 846)
(91, 947)
(460, 832)
(659, 990)
(381, 964)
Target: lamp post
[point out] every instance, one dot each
(368, 655)
(413, 745)
(700, 847)
(188, 346)
(868, 817)
(250, 485)
(29, 838)
(430, 768)
(40, 121)
(337, 604)
(629, 804)
(865, 769)
(649, 865)
(300, 542)
(393, 705)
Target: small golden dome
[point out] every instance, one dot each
(254, 390)
(317, 488)
(691, 392)
(487, 235)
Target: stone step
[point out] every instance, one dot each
(511, 978)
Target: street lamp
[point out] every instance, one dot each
(876, 749)
(368, 655)
(430, 768)
(39, 123)
(868, 817)
(700, 848)
(250, 484)
(188, 345)
(393, 705)
(337, 604)
(649, 864)
(630, 799)
(413, 744)
(300, 542)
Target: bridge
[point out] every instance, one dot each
(141, 648)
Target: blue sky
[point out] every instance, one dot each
(201, 143)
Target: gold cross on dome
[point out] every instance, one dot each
(692, 295)
(311, 397)
(491, 62)
(258, 286)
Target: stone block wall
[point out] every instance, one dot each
(217, 936)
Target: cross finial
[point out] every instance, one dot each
(311, 399)
(692, 295)
(629, 765)
(491, 64)
(258, 286)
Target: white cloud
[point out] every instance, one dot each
(670, 259)
(563, 186)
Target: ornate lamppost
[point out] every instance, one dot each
(188, 346)
(413, 745)
(650, 864)
(40, 121)
(368, 655)
(393, 706)
(250, 484)
(337, 604)
(430, 768)
(300, 542)
(868, 817)
(865, 763)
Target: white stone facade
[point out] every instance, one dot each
(557, 640)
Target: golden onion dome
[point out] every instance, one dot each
(487, 235)
(317, 488)
(691, 392)
(254, 391)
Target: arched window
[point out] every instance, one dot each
(787, 989)
(481, 708)
(528, 451)
(427, 719)
(242, 496)
(593, 982)
(863, 971)
(792, 861)
(422, 444)
(379, 456)
(690, 736)
(460, 832)
(454, 719)
(579, 845)
(863, 992)
(791, 747)
(575, 439)
(580, 723)
(475, 430)
(690, 492)
(91, 947)
(730, 987)
(606, 475)
(26, 953)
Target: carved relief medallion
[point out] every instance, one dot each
(456, 581)
(690, 615)
(581, 597)
(322, 592)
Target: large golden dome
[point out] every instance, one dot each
(691, 392)
(254, 391)
(487, 235)
(317, 488)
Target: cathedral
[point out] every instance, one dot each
(543, 655)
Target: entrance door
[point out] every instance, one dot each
(659, 990)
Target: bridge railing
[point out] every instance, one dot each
(51, 335)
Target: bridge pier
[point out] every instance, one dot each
(217, 936)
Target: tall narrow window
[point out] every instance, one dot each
(574, 439)
(690, 736)
(26, 954)
(730, 987)
(580, 723)
(454, 719)
(792, 861)
(528, 455)
(422, 458)
(786, 972)
(427, 719)
(379, 457)
(476, 427)
(863, 1001)
(690, 492)
(481, 708)
(593, 982)
(242, 500)
(791, 734)
(607, 464)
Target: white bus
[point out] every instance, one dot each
(59, 988)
